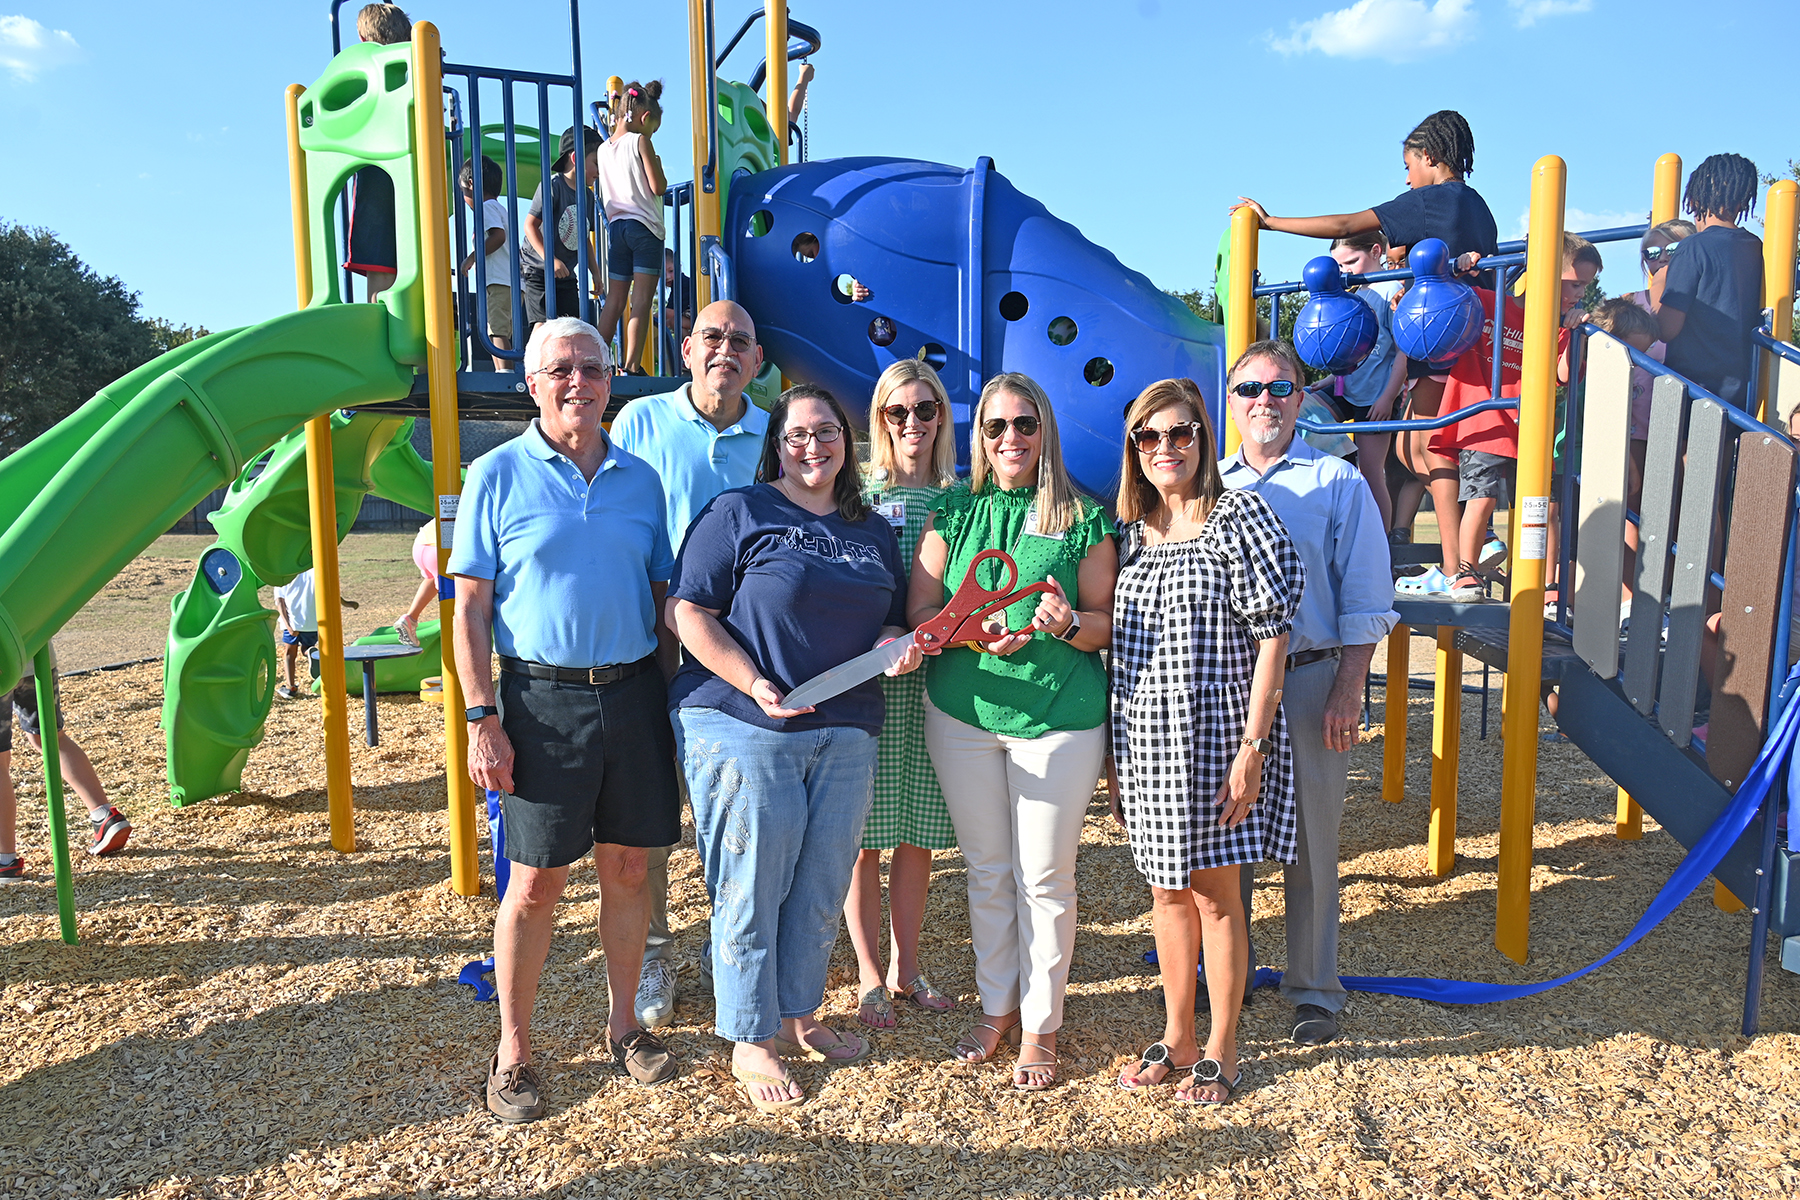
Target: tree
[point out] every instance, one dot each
(65, 333)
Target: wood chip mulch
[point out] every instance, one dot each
(252, 1015)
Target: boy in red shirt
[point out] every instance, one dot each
(1486, 445)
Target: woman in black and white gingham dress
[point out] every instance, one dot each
(1203, 772)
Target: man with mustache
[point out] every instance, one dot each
(701, 438)
(1347, 608)
(561, 559)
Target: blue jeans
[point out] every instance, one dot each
(779, 819)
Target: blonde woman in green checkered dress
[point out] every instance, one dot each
(912, 458)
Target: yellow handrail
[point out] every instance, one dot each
(775, 17)
(1240, 312)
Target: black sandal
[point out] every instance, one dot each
(1209, 1070)
(1158, 1055)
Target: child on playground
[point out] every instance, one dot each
(373, 251)
(632, 183)
(111, 829)
(1368, 393)
(297, 616)
(563, 199)
(425, 557)
(1438, 155)
(1712, 290)
(496, 227)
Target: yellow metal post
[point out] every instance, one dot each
(1240, 307)
(1393, 731)
(446, 442)
(706, 204)
(1665, 204)
(1446, 752)
(775, 18)
(1781, 223)
(1525, 641)
(321, 487)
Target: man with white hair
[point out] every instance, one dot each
(1346, 608)
(561, 559)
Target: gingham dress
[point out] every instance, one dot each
(1186, 619)
(909, 807)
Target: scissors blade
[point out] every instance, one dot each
(845, 676)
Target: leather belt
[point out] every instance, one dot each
(1308, 657)
(597, 676)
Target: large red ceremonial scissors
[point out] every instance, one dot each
(960, 621)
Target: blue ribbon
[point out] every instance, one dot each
(1777, 758)
(474, 973)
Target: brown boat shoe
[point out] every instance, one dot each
(515, 1094)
(645, 1057)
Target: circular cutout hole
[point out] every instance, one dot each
(761, 221)
(1099, 371)
(806, 247)
(843, 289)
(1014, 306)
(933, 356)
(1062, 330)
(883, 331)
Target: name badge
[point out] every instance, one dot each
(894, 511)
(1031, 527)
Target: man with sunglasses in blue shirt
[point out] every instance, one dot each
(702, 438)
(1346, 609)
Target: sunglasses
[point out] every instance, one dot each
(994, 428)
(824, 434)
(925, 410)
(1660, 254)
(1250, 389)
(740, 343)
(1180, 437)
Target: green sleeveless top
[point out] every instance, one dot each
(1048, 685)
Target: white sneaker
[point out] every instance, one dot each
(656, 994)
(1433, 584)
(1493, 554)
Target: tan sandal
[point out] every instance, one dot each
(878, 1002)
(750, 1079)
(1027, 1068)
(922, 992)
(1010, 1036)
(824, 1053)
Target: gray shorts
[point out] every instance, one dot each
(591, 764)
(1484, 476)
(23, 702)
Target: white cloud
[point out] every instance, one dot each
(1527, 13)
(1577, 220)
(1395, 30)
(27, 49)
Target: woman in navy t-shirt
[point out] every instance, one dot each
(776, 583)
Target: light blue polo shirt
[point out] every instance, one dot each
(695, 460)
(572, 560)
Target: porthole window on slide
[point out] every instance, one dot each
(1014, 306)
(1062, 330)
(806, 247)
(1099, 372)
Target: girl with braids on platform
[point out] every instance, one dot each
(1438, 155)
(1712, 290)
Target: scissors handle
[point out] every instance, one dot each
(961, 619)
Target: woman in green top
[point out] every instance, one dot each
(912, 459)
(1016, 728)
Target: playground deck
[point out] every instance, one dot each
(250, 1015)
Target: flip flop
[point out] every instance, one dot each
(823, 1053)
(749, 1079)
(922, 992)
(878, 1002)
(1209, 1070)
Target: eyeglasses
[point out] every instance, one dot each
(796, 439)
(1180, 437)
(592, 371)
(740, 343)
(925, 410)
(1250, 389)
(1659, 255)
(994, 428)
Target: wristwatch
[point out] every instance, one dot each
(1068, 635)
(1263, 746)
(472, 715)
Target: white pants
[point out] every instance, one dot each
(1017, 804)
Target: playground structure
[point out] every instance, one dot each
(967, 273)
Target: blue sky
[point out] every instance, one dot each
(149, 135)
